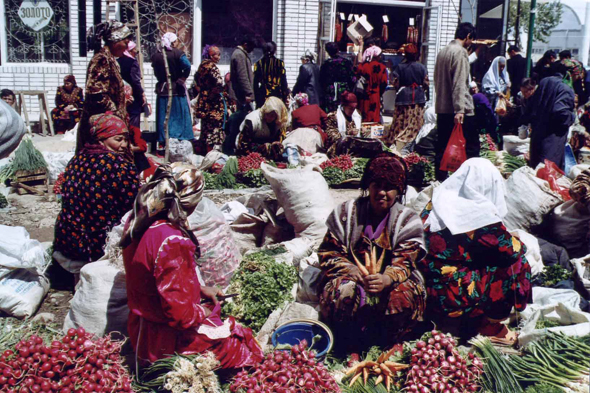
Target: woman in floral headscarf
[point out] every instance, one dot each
(377, 308)
(105, 90)
(170, 309)
(375, 74)
(69, 101)
(99, 187)
(212, 101)
(263, 130)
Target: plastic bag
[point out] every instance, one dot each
(552, 174)
(455, 153)
(501, 106)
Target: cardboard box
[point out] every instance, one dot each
(360, 28)
(373, 130)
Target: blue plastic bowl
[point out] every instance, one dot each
(296, 330)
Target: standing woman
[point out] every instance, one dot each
(105, 91)
(412, 81)
(375, 73)
(69, 101)
(212, 105)
(308, 81)
(131, 74)
(336, 77)
(496, 81)
(270, 78)
(180, 122)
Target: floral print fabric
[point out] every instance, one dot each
(62, 120)
(479, 273)
(98, 190)
(375, 73)
(211, 106)
(336, 77)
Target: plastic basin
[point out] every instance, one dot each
(294, 331)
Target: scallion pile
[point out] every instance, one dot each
(498, 376)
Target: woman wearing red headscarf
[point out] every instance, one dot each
(375, 74)
(69, 101)
(100, 184)
(379, 307)
(344, 122)
(411, 81)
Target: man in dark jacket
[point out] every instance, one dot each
(551, 112)
(516, 69)
(308, 81)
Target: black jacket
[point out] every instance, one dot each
(177, 71)
(517, 72)
(131, 74)
(308, 82)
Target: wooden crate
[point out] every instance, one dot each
(36, 179)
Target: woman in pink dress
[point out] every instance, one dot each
(170, 310)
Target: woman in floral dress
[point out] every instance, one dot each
(475, 270)
(336, 77)
(100, 184)
(379, 308)
(211, 106)
(69, 101)
(105, 90)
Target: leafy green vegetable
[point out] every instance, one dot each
(333, 175)
(227, 178)
(27, 157)
(543, 323)
(263, 286)
(543, 388)
(253, 178)
(3, 201)
(552, 275)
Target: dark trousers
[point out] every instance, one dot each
(445, 122)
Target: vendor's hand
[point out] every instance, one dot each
(355, 274)
(211, 293)
(459, 118)
(376, 283)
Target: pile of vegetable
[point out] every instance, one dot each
(497, 376)
(375, 372)
(552, 275)
(486, 143)
(78, 362)
(181, 373)
(291, 371)
(263, 285)
(26, 158)
(3, 201)
(437, 366)
(505, 162)
(58, 183)
(342, 168)
(558, 360)
(420, 169)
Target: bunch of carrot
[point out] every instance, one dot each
(372, 266)
(384, 369)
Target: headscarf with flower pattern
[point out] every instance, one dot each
(172, 193)
(387, 167)
(301, 99)
(106, 125)
(112, 31)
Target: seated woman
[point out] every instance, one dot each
(263, 130)
(100, 184)
(69, 101)
(377, 308)
(308, 116)
(484, 114)
(170, 310)
(342, 123)
(475, 270)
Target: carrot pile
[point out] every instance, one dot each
(384, 369)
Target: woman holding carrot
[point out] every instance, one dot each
(371, 291)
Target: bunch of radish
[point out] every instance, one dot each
(437, 366)
(287, 372)
(78, 363)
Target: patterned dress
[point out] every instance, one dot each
(336, 77)
(270, 80)
(375, 74)
(344, 302)
(480, 273)
(333, 135)
(105, 91)
(211, 106)
(256, 136)
(98, 190)
(64, 121)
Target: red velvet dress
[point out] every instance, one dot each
(165, 311)
(376, 75)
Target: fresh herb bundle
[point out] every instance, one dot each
(552, 275)
(263, 285)
(543, 388)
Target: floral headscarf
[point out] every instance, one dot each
(173, 191)
(106, 125)
(168, 39)
(301, 99)
(387, 167)
(110, 32)
(371, 52)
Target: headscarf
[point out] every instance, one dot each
(309, 55)
(12, 129)
(112, 31)
(389, 168)
(274, 104)
(205, 54)
(371, 52)
(301, 99)
(106, 125)
(173, 191)
(348, 98)
(168, 39)
(491, 80)
(132, 45)
(472, 198)
(71, 79)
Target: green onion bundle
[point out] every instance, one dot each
(498, 376)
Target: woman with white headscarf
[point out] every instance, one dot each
(475, 270)
(496, 81)
(180, 122)
(375, 74)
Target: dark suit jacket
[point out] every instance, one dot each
(517, 72)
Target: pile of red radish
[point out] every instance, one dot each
(78, 363)
(437, 366)
(287, 372)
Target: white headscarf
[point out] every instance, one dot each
(491, 80)
(471, 198)
(168, 39)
